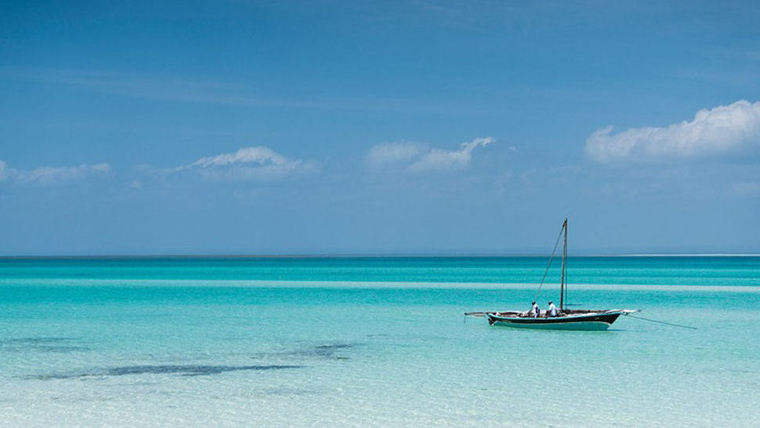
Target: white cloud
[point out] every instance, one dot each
(718, 130)
(414, 157)
(49, 174)
(437, 159)
(392, 153)
(258, 162)
(52, 174)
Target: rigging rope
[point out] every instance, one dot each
(662, 322)
(551, 258)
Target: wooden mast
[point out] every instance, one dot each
(564, 268)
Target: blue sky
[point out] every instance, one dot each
(362, 127)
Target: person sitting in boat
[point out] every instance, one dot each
(535, 311)
(552, 309)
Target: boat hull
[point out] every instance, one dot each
(589, 322)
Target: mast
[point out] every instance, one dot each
(564, 268)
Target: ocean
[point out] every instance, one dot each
(374, 341)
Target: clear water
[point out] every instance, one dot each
(378, 341)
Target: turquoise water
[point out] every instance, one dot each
(380, 341)
(585, 270)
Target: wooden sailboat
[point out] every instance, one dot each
(565, 319)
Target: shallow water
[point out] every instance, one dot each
(241, 341)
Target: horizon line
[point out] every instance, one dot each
(356, 255)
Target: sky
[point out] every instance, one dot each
(379, 128)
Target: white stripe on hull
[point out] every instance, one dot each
(581, 325)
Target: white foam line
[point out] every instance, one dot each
(369, 285)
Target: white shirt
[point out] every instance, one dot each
(552, 310)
